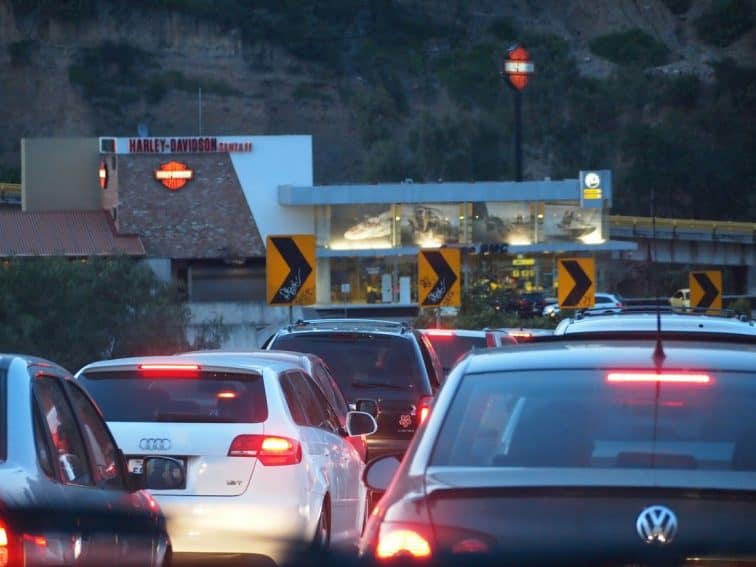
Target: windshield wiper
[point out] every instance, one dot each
(372, 384)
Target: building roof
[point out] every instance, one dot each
(63, 233)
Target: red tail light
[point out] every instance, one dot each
(11, 548)
(440, 332)
(398, 540)
(672, 377)
(270, 450)
(424, 410)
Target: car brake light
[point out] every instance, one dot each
(521, 334)
(470, 545)
(424, 412)
(226, 395)
(11, 549)
(440, 332)
(396, 541)
(270, 450)
(673, 377)
(169, 370)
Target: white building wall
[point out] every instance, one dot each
(274, 161)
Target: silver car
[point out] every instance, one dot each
(65, 495)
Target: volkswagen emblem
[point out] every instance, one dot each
(153, 444)
(657, 525)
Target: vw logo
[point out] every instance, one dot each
(657, 525)
(153, 444)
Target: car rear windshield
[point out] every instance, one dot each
(178, 397)
(3, 420)
(362, 363)
(585, 419)
(450, 348)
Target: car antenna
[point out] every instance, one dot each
(658, 355)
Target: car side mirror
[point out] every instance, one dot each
(379, 472)
(159, 473)
(368, 406)
(360, 423)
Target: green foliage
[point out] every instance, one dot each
(503, 29)
(458, 147)
(724, 22)
(388, 161)
(376, 111)
(633, 47)
(111, 74)
(157, 85)
(472, 76)
(20, 52)
(74, 312)
(61, 10)
(683, 91)
(311, 90)
(677, 6)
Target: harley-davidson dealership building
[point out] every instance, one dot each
(199, 209)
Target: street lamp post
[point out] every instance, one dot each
(517, 70)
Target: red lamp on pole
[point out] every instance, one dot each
(516, 70)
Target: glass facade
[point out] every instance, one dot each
(385, 239)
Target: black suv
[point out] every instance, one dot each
(385, 361)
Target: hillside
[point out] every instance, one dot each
(660, 91)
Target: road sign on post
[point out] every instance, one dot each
(438, 278)
(575, 278)
(290, 269)
(705, 290)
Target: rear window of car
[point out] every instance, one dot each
(361, 362)
(451, 347)
(570, 418)
(223, 397)
(3, 421)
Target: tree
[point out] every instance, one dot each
(74, 312)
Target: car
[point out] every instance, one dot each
(385, 360)
(529, 304)
(550, 310)
(451, 344)
(319, 371)
(646, 323)
(65, 494)
(270, 472)
(614, 451)
(680, 299)
(605, 303)
(526, 334)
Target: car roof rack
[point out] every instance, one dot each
(664, 309)
(380, 324)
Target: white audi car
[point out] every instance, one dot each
(270, 470)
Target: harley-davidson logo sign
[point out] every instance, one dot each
(405, 421)
(174, 175)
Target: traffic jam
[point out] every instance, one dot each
(616, 438)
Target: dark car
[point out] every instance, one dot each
(529, 304)
(66, 496)
(580, 451)
(452, 344)
(385, 361)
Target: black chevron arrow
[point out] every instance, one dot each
(710, 290)
(299, 269)
(445, 281)
(582, 283)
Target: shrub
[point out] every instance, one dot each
(20, 52)
(634, 47)
(677, 6)
(724, 22)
